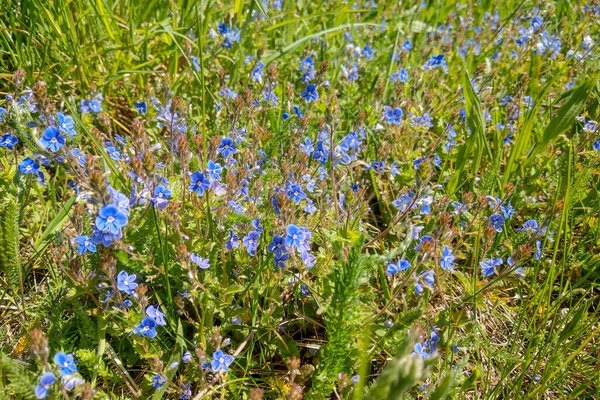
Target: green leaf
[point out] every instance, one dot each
(564, 119)
(56, 223)
(476, 140)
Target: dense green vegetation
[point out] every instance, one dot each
(293, 199)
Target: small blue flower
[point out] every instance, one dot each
(199, 184)
(310, 93)
(66, 124)
(401, 265)
(447, 260)
(142, 109)
(8, 141)
(233, 241)
(295, 193)
(529, 226)
(161, 196)
(202, 263)
(425, 279)
(295, 236)
(85, 244)
(66, 363)
(420, 351)
(277, 246)
(321, 153)
(126, 283)
(29, 166)
(436, 61)
(508, 211)
(214, 170)
(158, 381)
(187, 357)
(497, 222)
(156, 314)
(111, 219)
(52, 139)
(46, 381)
(251, 242)
(367, 52)
(221, 361)
(227, 147)
(146, 328)
(538, 252)
(488, 267)
(186, 392)
(393, 115)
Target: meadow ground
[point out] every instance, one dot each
(271, 199)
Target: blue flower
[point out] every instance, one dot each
(199, 183)
(295, 193)
(227, 147)
(425, 279)
(436, 61)
(447, 259)
(232, 242)
(202, 263)
(142, 109)
(46, 381)
(93, 105)
(392, 115)
(310, 93)
(220, 361)
(488, 267)
(146, 328)
(156, 314)
(214, 170)
(111, 218)
(29, 166)
(307, 66)
(229, 36)
(538, 253)
(420, 351)
(126, 283)
(8, 141)
(321, 153)
(161, 196)
(66, 124)
(401, 265)
(85, 244)
(367, 52)
(257, 72)
(295, 236)
(70, 382)
(187, 357)
(277, 246)
(66, 363)
(52, 139)
(497, 222)
(508, 211)
(251, 242)
(529, 226)
(158, 381)
(105, 237)
(186, 392)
